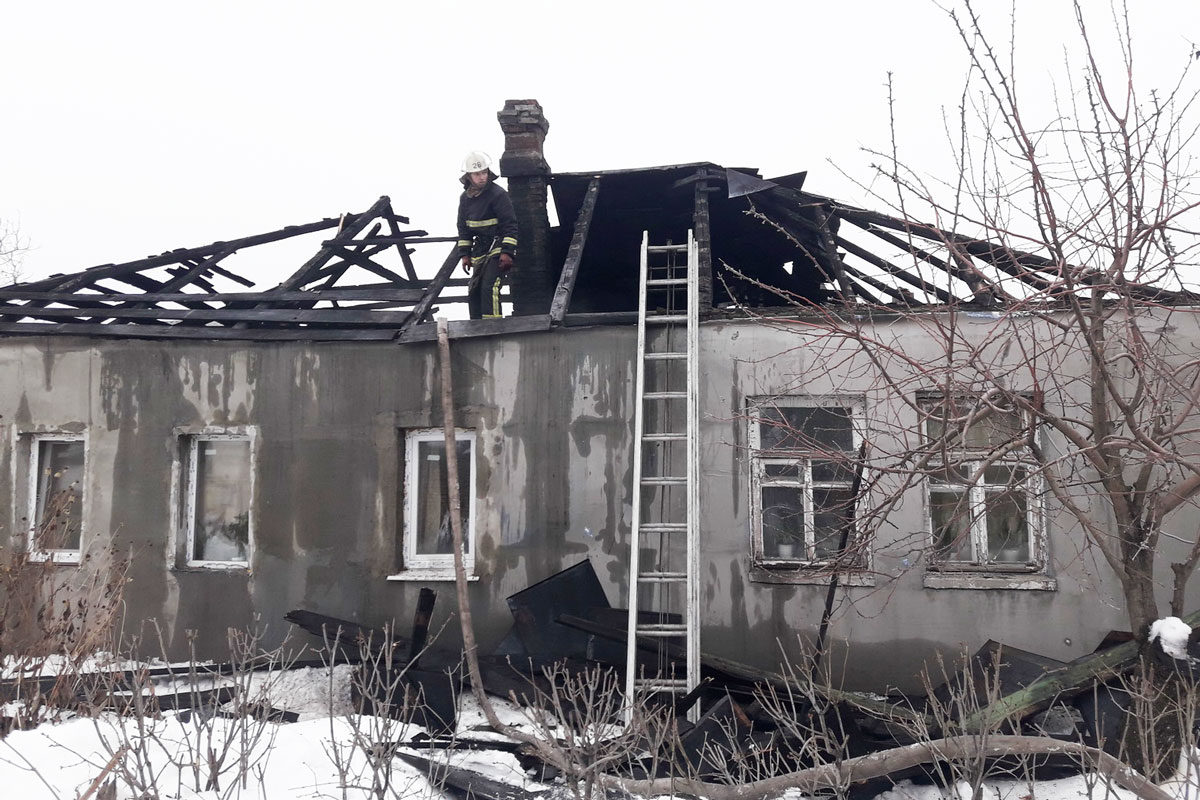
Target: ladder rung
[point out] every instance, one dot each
(665, 319)
(666, 281)
(663, 629)
(671, 356)
(662, 527)
(662, 577)
(667, 248)
(664, 395)
(663, 437)
(677, 685)
(665, 481)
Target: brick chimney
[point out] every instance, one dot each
(525, 167)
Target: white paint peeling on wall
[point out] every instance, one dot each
(221, 389)
(505, 521)
(306, 367)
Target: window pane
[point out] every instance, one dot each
(806, 428)
(957, 472)
(833, 471)
(1004, 475)
(831, 513)
(951, 515)
(783, 522)
(433, 497)
(1007, 527)
(945, 418)
(59, 494)
(778, 470)
(221, 529)
(996, 429)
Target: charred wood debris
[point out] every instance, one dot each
(565, 621)
(763, 244)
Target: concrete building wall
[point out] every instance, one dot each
(552, 415)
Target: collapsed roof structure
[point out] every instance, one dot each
(764, 244)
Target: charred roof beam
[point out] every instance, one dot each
(570, 270)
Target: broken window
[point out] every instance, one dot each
(982, 488)
(56, 471)
(803, 463)
(428, 540)
(218, 487)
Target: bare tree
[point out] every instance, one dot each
(1070, 371)
(1044, 365)
(12, 248)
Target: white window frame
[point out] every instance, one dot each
(189, 447)
(977, 493)
(760, 459)
(58, 556)
(425, 566)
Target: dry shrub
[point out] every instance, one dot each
(54, 617)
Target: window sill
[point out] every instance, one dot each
(807, 576)
(429, 576)
(1022, 581)
(214, 567)
(65, 558)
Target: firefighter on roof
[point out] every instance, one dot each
(487, 235)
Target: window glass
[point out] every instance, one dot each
(806, 428)
(221, 522)
(980, 509)
(831, 514)
(59, 494)
(1007, 527)
(951, 515)
(804, 501)
(994, 429)
(783, 521)
(433, 535)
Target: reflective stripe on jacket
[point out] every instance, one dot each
(487, 225)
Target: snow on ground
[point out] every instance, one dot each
(338, 756)
(309, 691)
(11, 667)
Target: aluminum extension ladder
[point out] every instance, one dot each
(664, 614)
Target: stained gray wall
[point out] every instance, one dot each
(553, 417)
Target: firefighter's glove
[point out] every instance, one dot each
(506, 262)
(466, 264)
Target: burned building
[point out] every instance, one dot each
(256, 451)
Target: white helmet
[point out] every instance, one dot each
(476, 161)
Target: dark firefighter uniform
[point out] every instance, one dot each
(487, 227)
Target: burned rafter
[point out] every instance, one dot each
(982, 289)
(773, 205)
(1022, 266)
(178, 296)
(915, 281)
(421, 309)
(862, 281)
(80, 280)
(566, 282)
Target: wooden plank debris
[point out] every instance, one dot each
(474, 784)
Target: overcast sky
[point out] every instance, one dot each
(130, 128)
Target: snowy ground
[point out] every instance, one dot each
(329, 753)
